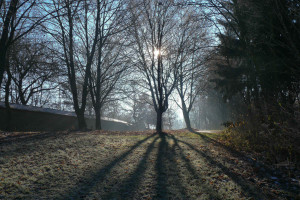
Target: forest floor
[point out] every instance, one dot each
(133, 165)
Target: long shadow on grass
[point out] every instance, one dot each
(165, 164)
(130, 185)
(247, 189)
(205, 187)
(25, 138)
(84, 186)
(240, 155)
(27, 144)
(230, 150)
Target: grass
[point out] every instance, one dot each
(129, 165)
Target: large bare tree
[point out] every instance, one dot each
(194, 41)
(78, 39)
(34, 71)
(17, 19)
(155, 52)
(110, 62)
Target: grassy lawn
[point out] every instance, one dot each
(131, 165)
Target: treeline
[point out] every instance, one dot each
(104, 57)
(137, 59)
(259, 57)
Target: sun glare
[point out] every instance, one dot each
(156, 52)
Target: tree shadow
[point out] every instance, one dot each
(129, 186)
(25, 137)
(241, 156)
(166, 168)
(168, 179)
(249, 190)
(22, 142)
(227, 148)
(208, 190)
(25, 144)
(85, 185)
(208, 139)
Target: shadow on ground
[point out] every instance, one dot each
(165, 170)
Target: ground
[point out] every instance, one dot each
(132, 165)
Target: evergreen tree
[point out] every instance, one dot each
(259, 48)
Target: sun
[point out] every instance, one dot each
(156, 52)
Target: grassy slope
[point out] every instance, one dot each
(101, 165)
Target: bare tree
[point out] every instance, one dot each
(155, 53)
(169, 118)
(33, 69)
(18, 18)
(193, 39)
(110, 61)
(16, 21)
(141, 110)
(7, 91)
(75, 36)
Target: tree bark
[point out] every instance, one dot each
(98, 119)
(186, 116)
(7, 106)
(5, 36)
(159, 121)
(81, 121)
(1, 70)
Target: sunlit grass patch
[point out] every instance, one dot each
(212, 134)
(183, 133)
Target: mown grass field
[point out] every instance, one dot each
(130, 165)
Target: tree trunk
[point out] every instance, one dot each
(5, 35)
(98, 119)
(21, 96)
(1, 75)
(186, 114)
(7, 107)
(81, 121)
(2, 66)
(159, 121)
(187, 120)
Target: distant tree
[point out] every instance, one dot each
(33, 70)
(18, 18)
(169, 118)
(138, 104)
(210, 110)
(143, 113)
(7, 106)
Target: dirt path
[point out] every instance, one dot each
(93, 165)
